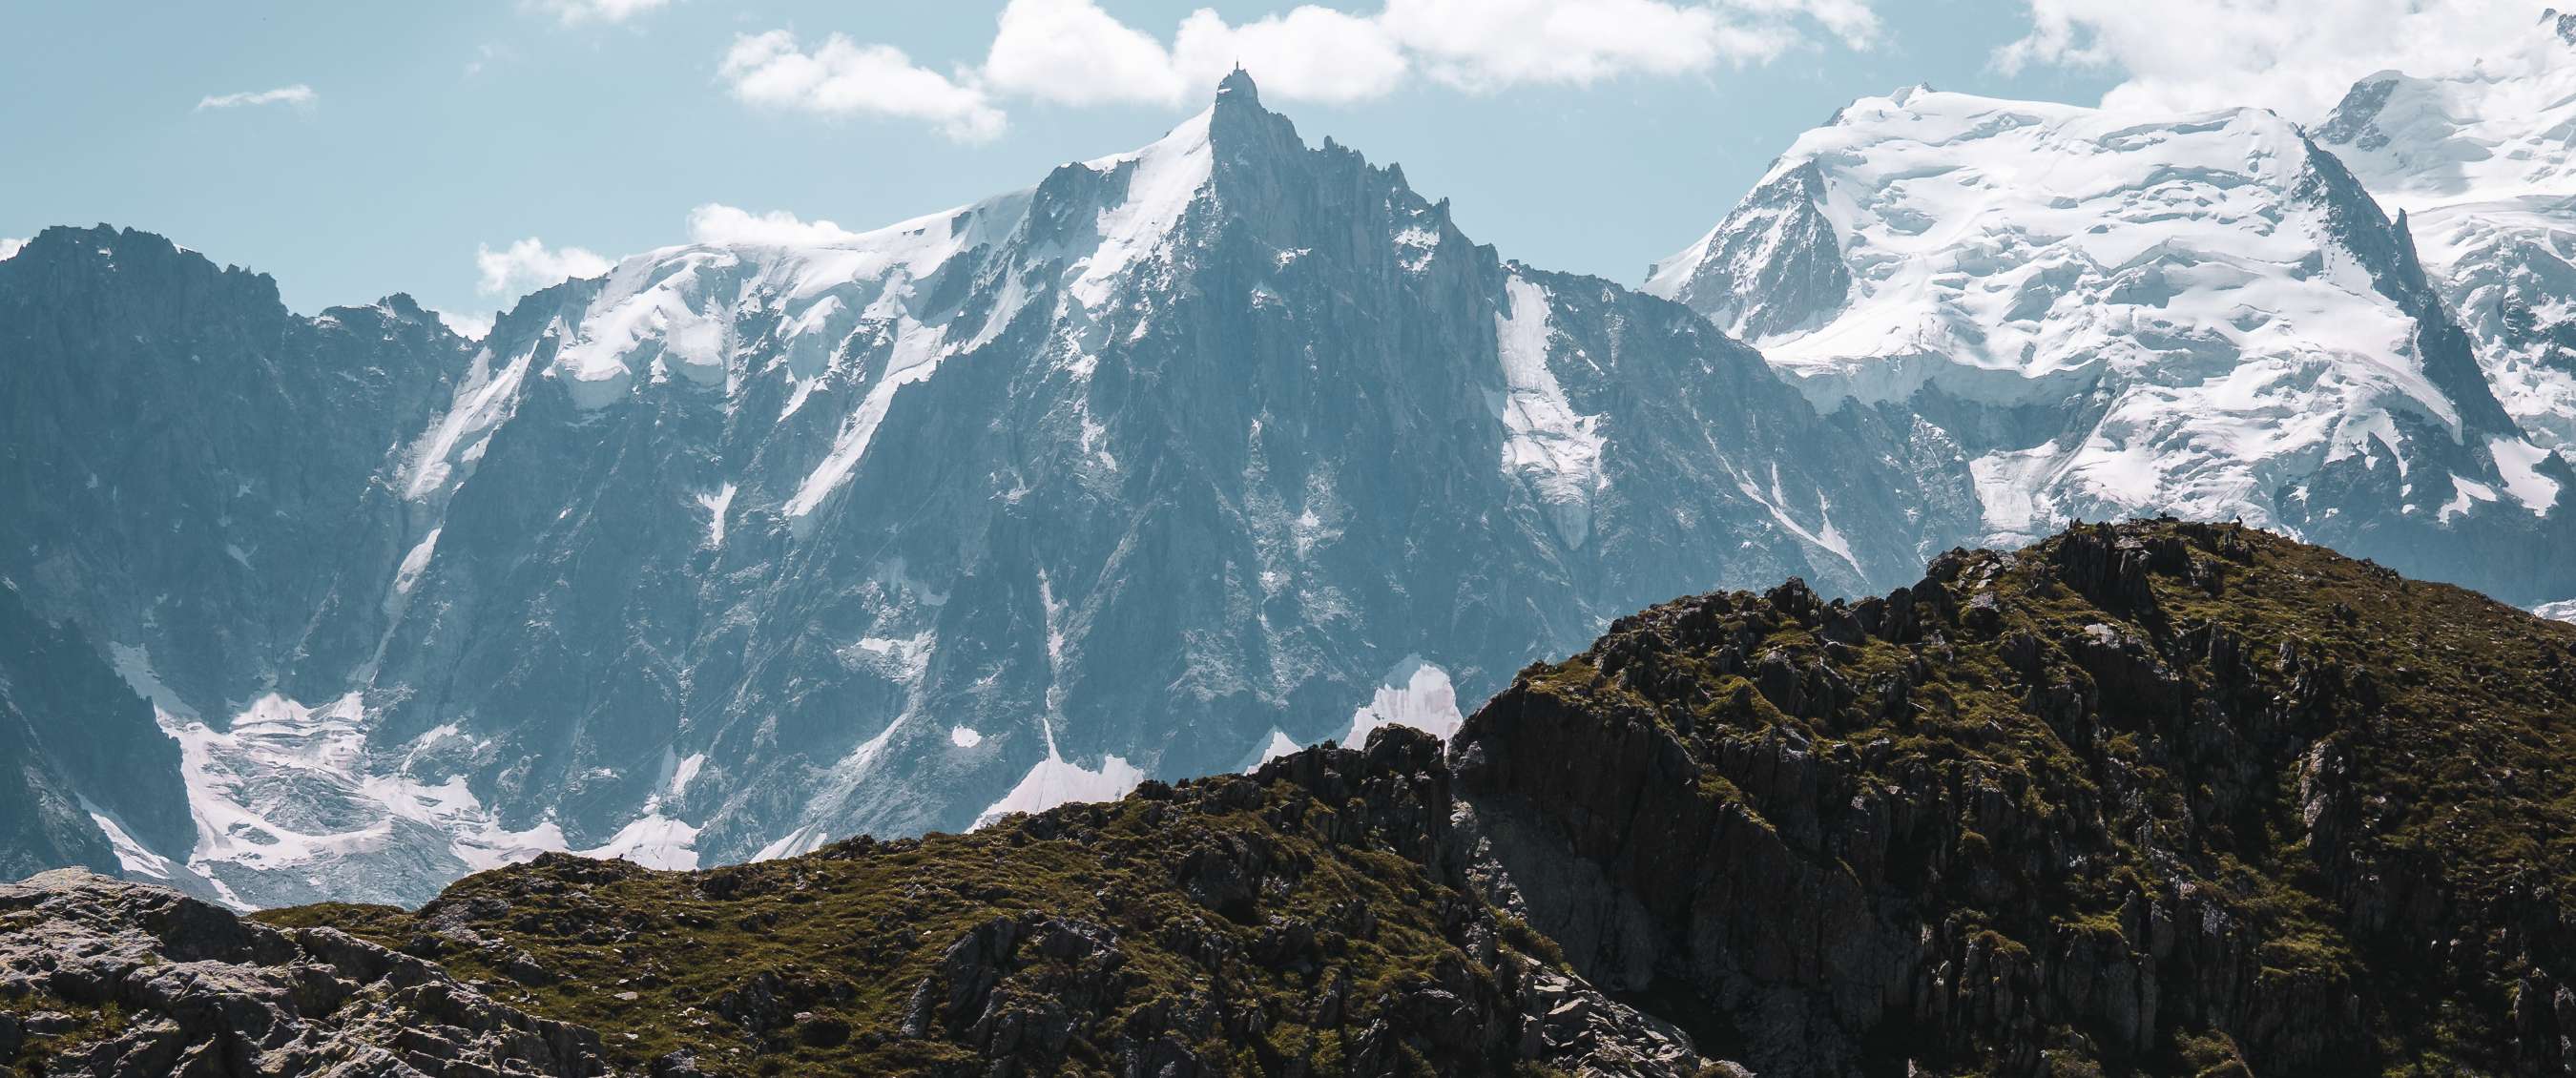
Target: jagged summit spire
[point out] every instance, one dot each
(1237, 88)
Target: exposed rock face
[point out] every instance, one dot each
(2143, 798)
(1311, 919)
(83, 768)
(2152, 799)
(103, 977)
(2155, 799)
(1172, 459)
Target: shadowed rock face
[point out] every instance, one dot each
(79, 753)
(2150, 798)
(2154, 799)
(103, 977)
(1310, 919)
(1170, 459)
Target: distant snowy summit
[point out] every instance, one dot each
(2111, 315)
(2483, 162)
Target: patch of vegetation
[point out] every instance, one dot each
(1254, 922)
(47, 1028)
(2153, 799)
(2329, 775)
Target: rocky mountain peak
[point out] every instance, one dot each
(899, 530)
(1237, 88)
(137, 262)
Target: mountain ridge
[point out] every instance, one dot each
(1155, 467)
(2480, 158)
(2115, 315)
(2157, 798)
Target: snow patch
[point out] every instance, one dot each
(1416, 694)
(964, 737)
(915, 356)
(654, 841)
(2518, 464)
(1824, 536)
(686, 772)
(448, 451)
(2463, 492)
(1278, 745)
(295, 788)
(407, 575)
(716, 504)
(1546, 443)
(2009, 490)
(131, 855)
(1058, 781)
(1167, 178)
(796, 843)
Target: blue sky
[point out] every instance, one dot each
(423, 132)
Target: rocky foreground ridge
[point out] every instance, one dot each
(2147, 799)
(99, 976)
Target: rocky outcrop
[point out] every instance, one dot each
(103, 977)
(2102, 802)
(2150, 799)
(1311, 919)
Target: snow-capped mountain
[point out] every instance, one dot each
(1174, 460)
(2483, 162)
(2112, 315)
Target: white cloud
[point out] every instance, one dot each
(529, 265)
(1854, 22)
(1308, 54)
(2294, 56)
(843, 78)
(472, 327)
(485, 55)
(1492, 44)
(1470, 44)
(576, 12)
(9, 248)
(1070, 51)
(719, 224)
(298, 95)
(1073, 52)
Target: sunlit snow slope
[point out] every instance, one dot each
(2483, 161)
(2112, 315)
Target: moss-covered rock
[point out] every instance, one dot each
(2154, 799)
(1308, 919)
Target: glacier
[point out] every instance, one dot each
(2114, 315)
